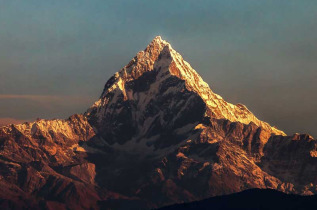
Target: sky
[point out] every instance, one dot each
(56, 56)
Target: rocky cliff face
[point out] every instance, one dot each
(158, 135)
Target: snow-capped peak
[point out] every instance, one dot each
(160, 58)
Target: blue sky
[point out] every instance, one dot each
(55, 56)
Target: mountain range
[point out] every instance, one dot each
(158, 135)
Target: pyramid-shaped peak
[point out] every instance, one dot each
(155, 67)
(159, 56)
(158, 39)
(144, 60)
(156, 45)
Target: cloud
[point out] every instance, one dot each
(32, 97)
(7, 121)
(48, 98)
(19, 106)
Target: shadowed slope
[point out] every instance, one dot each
(251, 199)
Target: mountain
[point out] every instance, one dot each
(251, 199)
(158, 135)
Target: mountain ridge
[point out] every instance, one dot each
(251, 199)
(158, 135)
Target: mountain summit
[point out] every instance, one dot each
(151, 79)
(157, 135)
(165, 63)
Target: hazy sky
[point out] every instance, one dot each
(55, 56)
